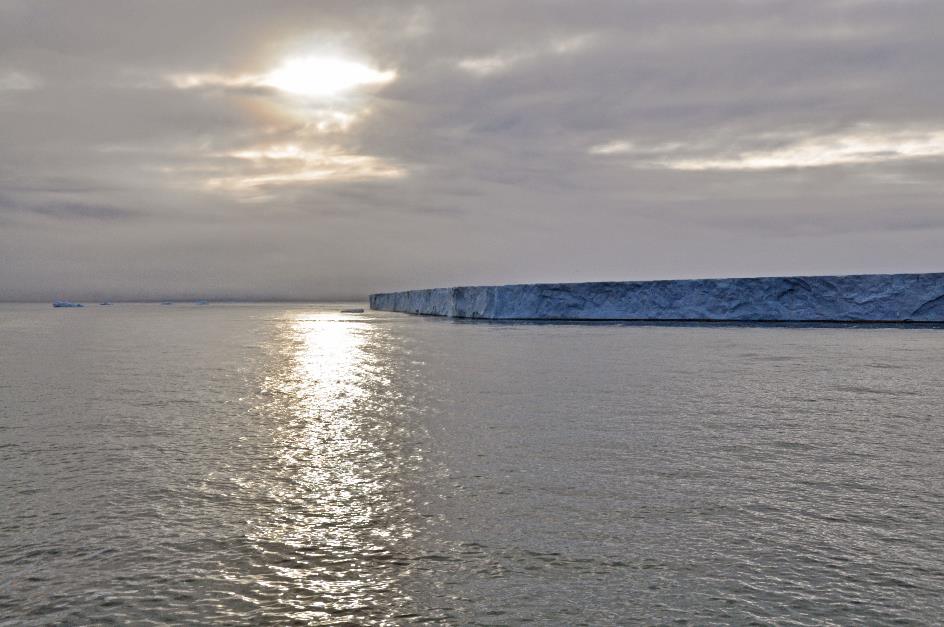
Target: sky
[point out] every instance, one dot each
(326, 150)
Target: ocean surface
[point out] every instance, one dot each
(282, 464)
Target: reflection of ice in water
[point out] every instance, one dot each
(337, 502)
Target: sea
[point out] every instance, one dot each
(291, 464)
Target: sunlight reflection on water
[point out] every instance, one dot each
(337, 505)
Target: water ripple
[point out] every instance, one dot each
(286, 464)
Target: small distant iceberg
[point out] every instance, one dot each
(65, 303)
(167, 302)
(105, 303)
(202, 302)
(354, 310)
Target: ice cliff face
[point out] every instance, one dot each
(853, 298)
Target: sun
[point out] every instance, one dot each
(324, 76)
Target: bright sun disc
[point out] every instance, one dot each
(320, 76)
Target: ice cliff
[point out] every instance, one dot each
(851, 298)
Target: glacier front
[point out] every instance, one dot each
(848, 298)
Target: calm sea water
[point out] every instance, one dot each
(284, 463)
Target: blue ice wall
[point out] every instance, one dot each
(851, 298)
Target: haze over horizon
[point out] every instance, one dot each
(326, 150)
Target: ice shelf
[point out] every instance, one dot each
(849, 298)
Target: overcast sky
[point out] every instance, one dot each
(323, 150)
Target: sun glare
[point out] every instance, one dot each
(324, 76)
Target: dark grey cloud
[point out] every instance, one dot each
(142, 154)
(60, 210)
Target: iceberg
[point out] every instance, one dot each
(65, 303)
(846, 298)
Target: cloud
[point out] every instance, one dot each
(268, 166)
(61, 211)
(501, 61)
(310, 76)
(317, 112)
(478, 142)
(489, 64)
(850, 148)
(18, 81)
